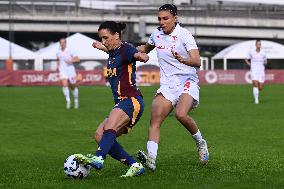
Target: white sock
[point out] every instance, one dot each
(76, 94)
(255, 93)
(152, 148)
(197, 137)
(66, 93)
(135, 164)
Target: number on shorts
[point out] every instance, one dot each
(186, 85)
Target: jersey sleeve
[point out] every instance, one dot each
(130, 51)
(249, 55)
(264, 56)
(189, 41)
(151, 40)
(57, 54)
(73, 53)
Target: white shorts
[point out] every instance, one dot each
(69, 75)
(173, 92)
(258, 76)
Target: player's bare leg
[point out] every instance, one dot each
(115, 124)
(256, 90)
(75, 91)
(184, 105)
(161, 107)
(100, 130)
(65, 89)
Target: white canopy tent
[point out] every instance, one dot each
(91, 65)
(79, 43)
(240, 50)
(18, 53)
(153, 60)
(82, 46)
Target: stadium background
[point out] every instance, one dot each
(37, 132)
(36, 24)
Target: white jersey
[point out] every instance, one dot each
(63, 57)
(180, 41)
(257, 60)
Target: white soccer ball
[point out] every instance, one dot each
(74, 169)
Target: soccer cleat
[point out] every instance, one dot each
(82, 159)
(148, 161)
(96, 162)
(68, 104)
(203, 152)
(256, 101)
(136, 169)
(76, 104)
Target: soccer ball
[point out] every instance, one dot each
(74, 169)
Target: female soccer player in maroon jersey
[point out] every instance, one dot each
(128, 100)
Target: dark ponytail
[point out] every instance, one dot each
(169, 7)
(121, 25)
(113, 27)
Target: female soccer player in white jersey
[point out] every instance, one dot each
(68, 77)
(179, 61)
(256, 60)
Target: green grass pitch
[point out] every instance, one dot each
(246, 141)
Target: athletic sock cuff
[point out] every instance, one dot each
(110, 131)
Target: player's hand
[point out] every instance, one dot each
(69, 61)
(177, 56)
(143, 57)
(98, 45)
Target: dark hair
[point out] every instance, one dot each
(257, 40)
(113, 27)
(62, 38)
(169, 7)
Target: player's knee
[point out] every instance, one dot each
(72, 86)
(181, 116)
(97, 136)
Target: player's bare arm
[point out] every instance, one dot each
(247, 62)
(194, 59)
(265, 62)
(100, 46)
(73, 60)
(143, 57)
(145, 48)
(57, 64)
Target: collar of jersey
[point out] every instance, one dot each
(63, 50)
(115, 51)
(174, 32)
